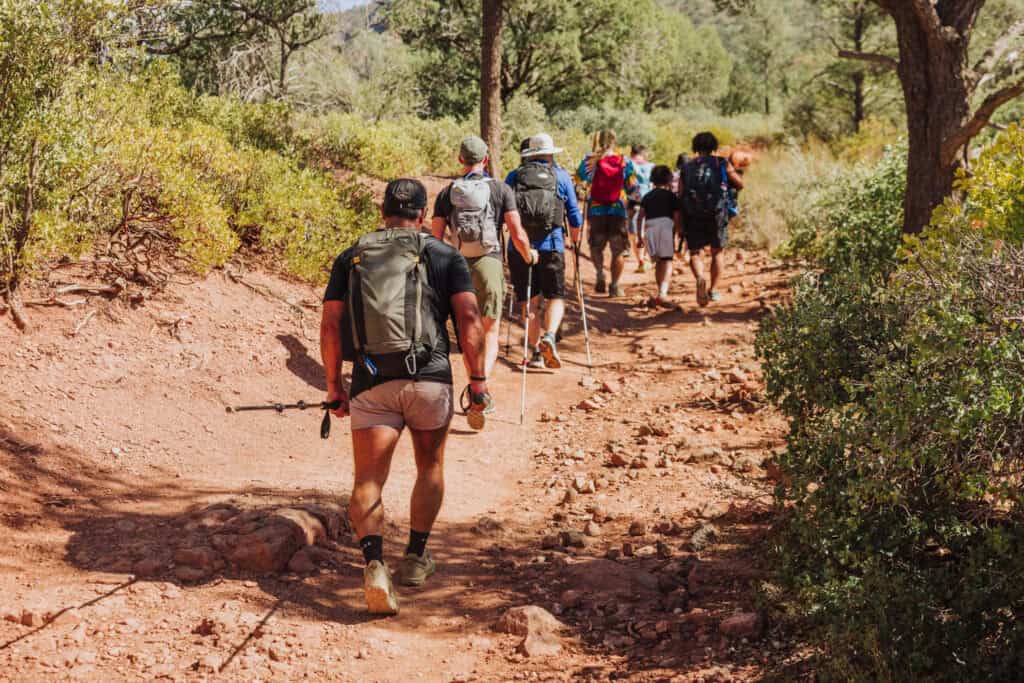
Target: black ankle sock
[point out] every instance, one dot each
(373, 548)
(417, 542)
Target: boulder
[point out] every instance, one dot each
(268, 549)
(538, 627)
(741, 625)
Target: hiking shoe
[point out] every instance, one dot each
(536, 361)
(702, 292)
(642, 268)
(416, 569)
(549, 352)
(380, 592)
(600, 287)
(713, 295)
(659, 302)
(615, 290)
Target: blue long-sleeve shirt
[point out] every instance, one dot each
(555, 240)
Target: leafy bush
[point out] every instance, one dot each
(850, 220)
(138, 155)
(904, 386)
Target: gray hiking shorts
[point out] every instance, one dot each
(424, 406)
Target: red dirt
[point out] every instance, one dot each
(111, 437)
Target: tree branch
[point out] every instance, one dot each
(998, 49)
(981, 118)
(875, 58)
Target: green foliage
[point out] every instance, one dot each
(904, 386)
(133, 153)
(386, 149)
(851, 221)
(42, 44)
(565, 55)
(994, 190)
(241, 47)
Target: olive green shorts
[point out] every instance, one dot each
(489, 283)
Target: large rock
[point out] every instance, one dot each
(741, 625)
(308, 524)
(538, 627)
(268, 549)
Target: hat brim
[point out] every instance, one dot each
(542, 152)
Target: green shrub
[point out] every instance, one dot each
(153, 159)
(851, 219)
(903, 540)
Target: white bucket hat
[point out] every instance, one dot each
(541, 144)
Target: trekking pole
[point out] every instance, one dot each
(325, 425)
(583, 313)
(526, 339)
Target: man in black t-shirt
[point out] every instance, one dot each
(381, 406)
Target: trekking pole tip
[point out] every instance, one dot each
(229, 409)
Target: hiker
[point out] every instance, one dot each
(642, 168)
(704, 211)
(400, 286)
(611, 177)
(474, 207)
(546, 199)
(658, 217)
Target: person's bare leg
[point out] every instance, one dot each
(618, 265)
(372, 450)
(492, 334)
(717, 266)
(428, 493)
(696, 265)
(534, 320)
(553, 315)
(663, 276)
(597, 257)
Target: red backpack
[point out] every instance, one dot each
(609, 177)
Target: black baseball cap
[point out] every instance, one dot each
(404, 195)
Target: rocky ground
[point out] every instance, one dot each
(619, 534)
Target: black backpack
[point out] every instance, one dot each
(705, 188)
(540, 208)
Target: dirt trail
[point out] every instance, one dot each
(115, 447)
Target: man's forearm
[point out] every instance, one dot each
(517, 233)
(330, 354)
(471, 341)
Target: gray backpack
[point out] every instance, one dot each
(472, 220)
(391, 304)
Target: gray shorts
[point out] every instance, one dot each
(423, 406)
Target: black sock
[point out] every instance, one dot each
(373, 548)
(417, 542)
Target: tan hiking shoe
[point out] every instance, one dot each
(414, 570)
(380, 591)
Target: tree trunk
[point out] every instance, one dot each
(490, 81)
(858, 100)
(933, 72)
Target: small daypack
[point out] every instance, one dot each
(705, 189)
(540, 208)
(391, 304)
(472, 220)
(608, 178)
